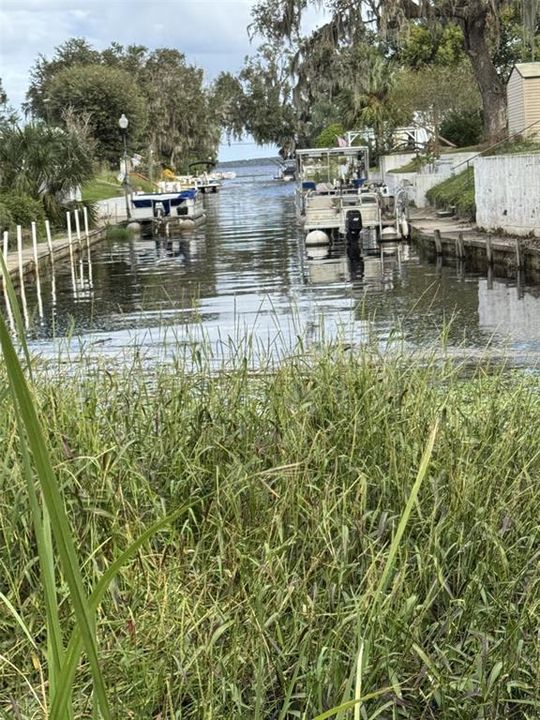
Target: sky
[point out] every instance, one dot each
(211, 33)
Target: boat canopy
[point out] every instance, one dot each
(329, 165)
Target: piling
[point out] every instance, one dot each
(21, 274)
(460, 246)
(71, 260)
(519, 259)
(438, 242)
(489, 250)
(87, 233)
(5, 251)
(49, 242)
(36, 269)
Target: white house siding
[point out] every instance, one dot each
(532, 106)
(507, 189)
(516, 106)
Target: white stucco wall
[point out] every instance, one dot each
(391, 162)
(419, 183)
(507, 191)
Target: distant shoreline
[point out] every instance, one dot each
(251, 161)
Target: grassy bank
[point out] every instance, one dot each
(457, 191)
(106, 185)
(286, 590)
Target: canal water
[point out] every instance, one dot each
(245, 275)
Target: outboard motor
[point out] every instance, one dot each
(353, 225)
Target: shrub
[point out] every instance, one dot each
(328, 136)
(6, 218)
(463, 128)
(22, 208)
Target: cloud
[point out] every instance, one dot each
(211, 33)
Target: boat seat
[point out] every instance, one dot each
(321, 201)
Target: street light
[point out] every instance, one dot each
(123, 124)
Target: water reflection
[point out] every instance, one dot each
(247, 271)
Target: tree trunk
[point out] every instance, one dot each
(492, 88)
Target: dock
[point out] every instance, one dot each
(60, 251)
(451, 237)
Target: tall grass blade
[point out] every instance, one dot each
(16, 310)
(61, 698)
(35, 441)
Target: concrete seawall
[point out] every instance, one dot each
(446, 237)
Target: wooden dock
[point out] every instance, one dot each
(443, 237)
(60, 251)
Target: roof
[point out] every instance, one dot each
(527, 70)
(349, 150)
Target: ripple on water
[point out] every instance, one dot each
(245, 272)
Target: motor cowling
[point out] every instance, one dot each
(353, 224)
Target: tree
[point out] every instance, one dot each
(259, 100)
(102, 94)
(328, 137)
(45, 162)
(75, 51)
(8, 115)
(367, 81)
(132, 80)
(433, 93)
(181, 127)
(478, 20)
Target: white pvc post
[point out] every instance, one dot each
(5, 251)
(71, 261)
(49, 240)
(51, 256)
(36, 269)
(87, 233)
(79, 240)
(21, 274)
(78, 225)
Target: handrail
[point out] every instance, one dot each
(490, 147)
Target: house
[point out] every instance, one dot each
(523, 100)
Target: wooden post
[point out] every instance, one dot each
(36, 268)
(460, 246)
(489, 250)
(438, 243)
(519, 258)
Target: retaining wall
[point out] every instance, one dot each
(507, 191)
(419, 183)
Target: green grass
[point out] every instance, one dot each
(339, 549)
(106, 185)
(457, 191)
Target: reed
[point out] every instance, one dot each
(349, 536)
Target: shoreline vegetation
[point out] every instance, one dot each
(349, 532)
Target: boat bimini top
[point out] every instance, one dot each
(332, 166)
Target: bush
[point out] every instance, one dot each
(6, 218)
(328, 137)
(463, 128)
(23, 209)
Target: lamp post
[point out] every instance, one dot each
(123, 124)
